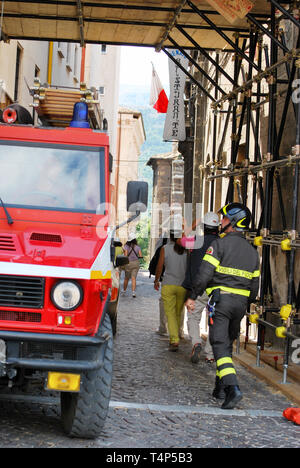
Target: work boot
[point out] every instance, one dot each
(219, 392)
(233, 396)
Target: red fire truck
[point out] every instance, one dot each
(56, 266)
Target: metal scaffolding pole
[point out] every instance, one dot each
(197, 83)
(292, 54)
(215, 123)
(266, 286)
(219, 31)
(236, 136)
(245, 103)
(237, 65)
(253, 43)
(204, 53)
(197, 66)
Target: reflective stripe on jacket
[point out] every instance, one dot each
(230, 264)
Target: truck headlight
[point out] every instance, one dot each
(66, 295)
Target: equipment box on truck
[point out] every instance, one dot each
(56, 266)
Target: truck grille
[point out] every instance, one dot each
(20, 316)
(21, 291)
(45, 237)
(7, 243)
(35, 350)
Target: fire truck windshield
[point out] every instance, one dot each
(52, 177)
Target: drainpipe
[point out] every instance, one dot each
(50, 63)
(82, 67)
(117, 173)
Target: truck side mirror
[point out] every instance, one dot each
(121, 260)
(137, 196)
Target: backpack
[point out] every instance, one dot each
(153, 263)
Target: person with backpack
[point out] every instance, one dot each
(118, 247)
(134, 253)
(198, 247)
(173, 257)
(154, 260)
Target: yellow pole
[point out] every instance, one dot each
(50, 63)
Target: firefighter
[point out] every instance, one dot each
(230, 275)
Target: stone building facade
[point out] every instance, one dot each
(130, 138)
(168, 193)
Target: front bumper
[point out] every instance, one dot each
(49, 352)
(53, 352)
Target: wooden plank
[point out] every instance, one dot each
(57, 107)
(24, 28)
(63, 98)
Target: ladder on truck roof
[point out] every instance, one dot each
(54, 106)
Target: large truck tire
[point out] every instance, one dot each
(83, 414)
(113, 313)
(114, 324)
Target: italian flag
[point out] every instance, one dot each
(158, 97)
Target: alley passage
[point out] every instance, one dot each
(160, 399)
(168, 399)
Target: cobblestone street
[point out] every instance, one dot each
(160, 399)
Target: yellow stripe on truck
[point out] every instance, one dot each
(100, 275)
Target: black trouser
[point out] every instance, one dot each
(229, 311)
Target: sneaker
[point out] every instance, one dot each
(133, 294)
(195, 356)
(173, 347)
(209, 360)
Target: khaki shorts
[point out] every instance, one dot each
(131, 270)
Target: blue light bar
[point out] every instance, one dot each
(80, 115)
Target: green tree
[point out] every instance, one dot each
(143, 238)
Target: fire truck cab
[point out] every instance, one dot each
(56, 268)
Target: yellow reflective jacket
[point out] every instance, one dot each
(230, 264)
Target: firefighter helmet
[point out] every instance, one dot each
(238, 214)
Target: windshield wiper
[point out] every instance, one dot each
(8, 217)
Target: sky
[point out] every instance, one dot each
(136, 68)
